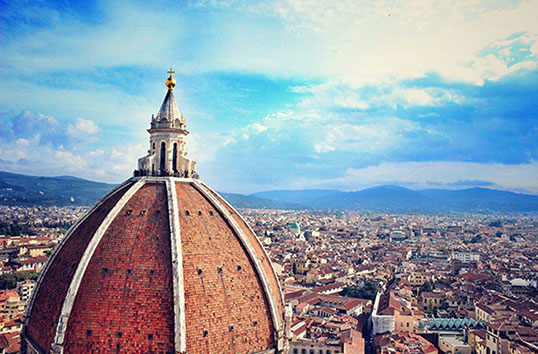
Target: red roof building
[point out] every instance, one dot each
(162, 264)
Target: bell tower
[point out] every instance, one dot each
(167, 155)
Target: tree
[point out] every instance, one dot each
(476, 239)
(9, 281)
(15, 229)
(368, 291)
(427, 286)
(495, 223)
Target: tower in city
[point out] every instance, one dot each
(161, 264)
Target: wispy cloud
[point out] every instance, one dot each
(278, 93)
(37, 144)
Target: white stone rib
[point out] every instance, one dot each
(177, 268)
(257, 263)
(268, 351)
(57, 346)
(248, 226)
(60, 245)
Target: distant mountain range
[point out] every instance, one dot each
(16, 189)
(404, 200)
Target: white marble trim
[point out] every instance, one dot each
(57, 346)
(177, 268)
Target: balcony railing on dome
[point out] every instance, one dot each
(166, 173)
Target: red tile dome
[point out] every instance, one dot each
(161, 264)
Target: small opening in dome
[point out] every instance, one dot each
(219, 269)
(211, 212)
(142, 213)
(119, 334)
(200, 271)
(150, 336)
(88, 333)
(151, 272)
(255, 323)
(231, 329)
(129, 271)
(105, 270)
(129, 212)
(238, 267)
(205, 333)
(157, 211)
(187, 213)
(199, 212)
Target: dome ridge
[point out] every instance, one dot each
(206, 242)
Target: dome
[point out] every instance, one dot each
(161, 264)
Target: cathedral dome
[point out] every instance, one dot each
(161, 264)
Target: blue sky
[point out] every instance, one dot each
(283, 94)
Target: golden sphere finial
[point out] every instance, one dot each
(171, 82)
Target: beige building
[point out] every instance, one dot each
(417, 279)
(350, 342)
(25, 288)
(454, 345)
(11, 305)
(432, 301)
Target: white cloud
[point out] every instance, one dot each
(22, 142)
(355, 42)
(257, 128)
(368, 46)
(40, 145)
(370, 136)
(338, 95)
(82, 128)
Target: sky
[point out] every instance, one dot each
(284, 94)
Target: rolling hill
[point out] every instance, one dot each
(17, 189)
(400, 199)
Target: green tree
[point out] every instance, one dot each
(476, 239)
(9, 281)
(368, 291)
(427, 286)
